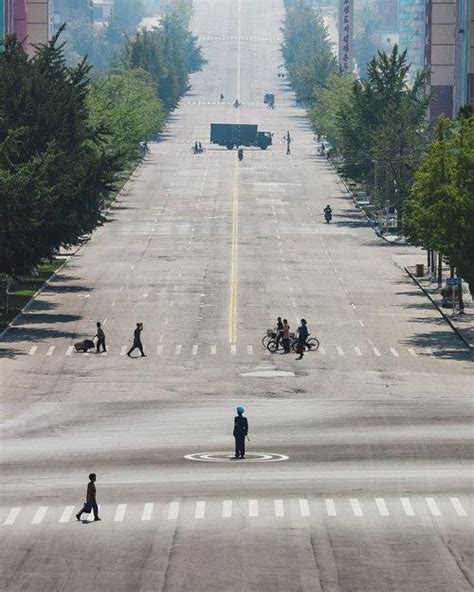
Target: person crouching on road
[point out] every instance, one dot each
(137, 341)
(91, 501)
(303, 333)
(241, 429)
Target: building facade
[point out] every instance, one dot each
(449, 55)
(412, 19)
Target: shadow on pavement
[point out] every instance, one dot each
(10, 353)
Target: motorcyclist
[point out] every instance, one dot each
(240, 153)
(328, 213)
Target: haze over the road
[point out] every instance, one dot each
(377, 425)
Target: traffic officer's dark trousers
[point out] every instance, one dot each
(239, 446)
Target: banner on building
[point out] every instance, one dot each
(346, 31)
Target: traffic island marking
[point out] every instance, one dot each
(230, 457)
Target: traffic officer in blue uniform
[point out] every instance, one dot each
(241, 429)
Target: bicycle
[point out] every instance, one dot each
(311, 344)
(269, 336)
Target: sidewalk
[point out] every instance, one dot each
(463, 325)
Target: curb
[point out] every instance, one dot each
(360, 208)
(66, 260)
(469, 346)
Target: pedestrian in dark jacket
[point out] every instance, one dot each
(100, 339)
(241, 429)
(137, 341)
(303, 333)
(91, 501)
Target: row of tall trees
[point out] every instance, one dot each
(379, 128)
(66, 135)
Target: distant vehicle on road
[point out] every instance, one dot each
(269, 99)
(239, 134)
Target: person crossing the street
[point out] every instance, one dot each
(91, 500)
(303, 334)
(100, 339)
(137, 341)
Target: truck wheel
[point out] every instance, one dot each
(229, 146)
(263, 147)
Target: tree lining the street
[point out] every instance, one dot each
(306, 49)
(440, 208)
(64, 138)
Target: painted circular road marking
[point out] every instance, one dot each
(229, 457)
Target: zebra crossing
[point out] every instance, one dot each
(177, 350)
(216, 509)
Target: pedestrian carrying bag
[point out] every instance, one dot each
(87, 509)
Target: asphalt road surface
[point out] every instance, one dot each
(359, 468)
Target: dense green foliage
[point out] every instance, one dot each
(168, 53)
(383, 130)
(440, 209)
(64, 138)
(54, 166)
(125, 108)
(307, 51)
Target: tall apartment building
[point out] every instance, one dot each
(30, 20)
(66, 11)
(412, 17)
(449, 54)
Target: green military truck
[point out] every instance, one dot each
(239, 134)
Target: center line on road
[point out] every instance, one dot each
(66, 515)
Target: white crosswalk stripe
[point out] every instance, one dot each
(51, 350)
(376, 352)
(226, 508)
(433, 506)
(147, 511)
(253, 508)
(69, 350)
(200, 510)
(330, 507)
(39, 515)
(357, 351)
(32, 350)
(120, 513)
(173, 511)
(394, 352)
(340, 351)
(213, 350)
(233, 349)
(356, 509)
(250, 350)
(321, 350)
(66, 515)
(412, 352)
(159, 350)
(279, 508)
(381, 506)
(12, 516)
(123, 350)
(304, 507)
(460, 511)
(177, 350)
(407, 507)
(195, 350)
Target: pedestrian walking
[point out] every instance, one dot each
(303, 333)
(279, 328)
(286, 336)
(91, 501)
(100, 339)
(137, 341)
(241, 429)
